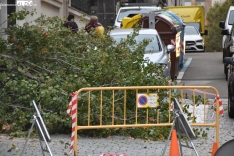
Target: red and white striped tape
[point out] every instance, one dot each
(173, 42)
(71, 111)
(200, 91)
(221, 110)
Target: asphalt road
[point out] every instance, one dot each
(205, 69)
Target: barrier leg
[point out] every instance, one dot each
(30, 131)
(40, 131)
(167, 141)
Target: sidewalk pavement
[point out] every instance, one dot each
(115, 144)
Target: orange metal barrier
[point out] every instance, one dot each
(120, 97)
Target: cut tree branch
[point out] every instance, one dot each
(27, 74)
(8, 56)
(39, 67)
(65, 63)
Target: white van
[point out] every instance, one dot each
(227, 24)
(132, 11)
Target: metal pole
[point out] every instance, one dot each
(43, 136)
(104, 13)
(0, 18)
(188, 137)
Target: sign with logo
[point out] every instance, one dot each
(185, 16)
(147, 100)
(25, 3)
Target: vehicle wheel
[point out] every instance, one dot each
(230, 109)
(226, 71)
(204, 49)
(224, 68)
(224, 55)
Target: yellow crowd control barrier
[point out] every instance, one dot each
(144, 99)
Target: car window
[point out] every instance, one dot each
(196, 25)
(191, 31)
(132, 12)
(233, 30)
(231, 17)
(153, 46)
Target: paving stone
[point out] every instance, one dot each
(118, 144)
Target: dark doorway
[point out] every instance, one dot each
(136, 1)
(10, 9)
(106, 11)
(86, 6)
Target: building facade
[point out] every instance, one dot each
(104, 9)
(50, 8)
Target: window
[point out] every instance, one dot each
(196, 25)
(131, 12)
(231, 18)
(232, 30)
(11, 9)
(82, 5)
(191, 31)
(153, 46)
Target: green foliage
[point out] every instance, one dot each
(45, 62)
(216, 14)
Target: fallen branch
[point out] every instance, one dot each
(4, 69)
(39, 67)
(27, 108)
(29, 75)
(65, 63)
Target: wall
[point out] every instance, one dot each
(61, 9)
(48, 7)
(3, 18)
(50, 10)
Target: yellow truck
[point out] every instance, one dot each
(192, 16)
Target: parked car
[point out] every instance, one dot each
(228, 48)
(230, 62)
(227, 24)
(155, 51)
(193, 39)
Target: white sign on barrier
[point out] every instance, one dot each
(147, 100)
